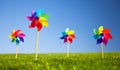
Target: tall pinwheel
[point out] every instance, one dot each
(38, 19)
(102, 36)
(68, 37)
(17, 36)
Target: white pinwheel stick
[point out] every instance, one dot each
(37, 36)
(102, 51)
(67, 49)
(16, 52)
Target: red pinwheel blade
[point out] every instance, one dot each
(70, 40)
(17, 32)
(32, 25)
(38, 25)
(106, 31)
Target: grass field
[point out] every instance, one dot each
(76, 61)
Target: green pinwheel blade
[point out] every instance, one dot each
(13, 40)
(45, 16)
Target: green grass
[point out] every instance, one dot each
(76, 61)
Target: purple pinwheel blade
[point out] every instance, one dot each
(65, 40)
(21, 39)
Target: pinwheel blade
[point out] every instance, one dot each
(21, 35)
(44, 16)
(99, 41)
(70, 40)
(38, 25)
(32, 25)
(106, 31)
(70, 32)
(39, 12)
(21, 39)
(100, 30)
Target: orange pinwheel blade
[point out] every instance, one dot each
(106, 31)
(72, 36)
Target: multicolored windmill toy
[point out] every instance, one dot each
(38, 19)
(17, 36)
(68, 37)
(102, 36)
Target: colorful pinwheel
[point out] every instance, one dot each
(39, 19)
(68, 37)
(102, 36)
(17, 36)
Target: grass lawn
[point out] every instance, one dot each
(76, 61)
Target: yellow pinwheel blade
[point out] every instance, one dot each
(44, 22)
(100, 29)
(71, 32)
(10, 36)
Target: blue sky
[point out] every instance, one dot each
(80, 15)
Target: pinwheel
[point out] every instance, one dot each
(17, 36)
(102, 36)
(38, 19)
(68, 37)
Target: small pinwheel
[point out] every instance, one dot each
(17, 36)
(102, 36)
(39, 19)
(68, 37)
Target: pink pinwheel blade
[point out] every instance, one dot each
(21, 35)
(105, 41)
(108, 36)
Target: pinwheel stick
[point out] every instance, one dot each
(16, 52)
(101, 45)
(37, 36)
(67, 49)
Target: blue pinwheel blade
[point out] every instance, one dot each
(99, 41)
(40, 12)
(17, 42)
